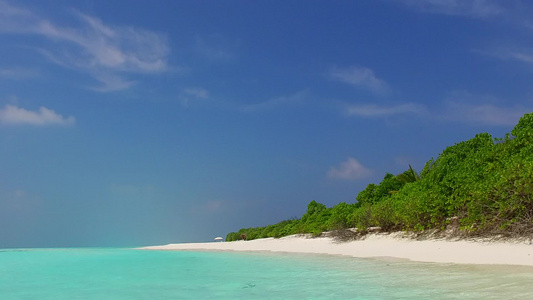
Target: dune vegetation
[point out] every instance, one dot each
(484, 185)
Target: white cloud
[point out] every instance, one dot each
(472, 8)
(523, 57)
(111, 82)
(484, 114)
(197, 93)
(193, 94)
(16, 20)
(295, 98)
(215, 48)
(104, 51)
(14, 115)
(372, 110)
(17, 73)
(361, 77)
(351, 169)
(465, 107)
(522, 54)
(458, 107)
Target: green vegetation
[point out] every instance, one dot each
(486, 183)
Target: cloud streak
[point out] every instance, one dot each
(376, 111)
(13, 115)
(470, 8)
(522, 55)
(273, 103)
(351, 169)
(362, 78)
(459, 107)
(197, 92)
(17, 73)
(106, 52)
(484, 114)
(464, 107)
(193, 94)
(215, 48)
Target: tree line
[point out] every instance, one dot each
(485, 184)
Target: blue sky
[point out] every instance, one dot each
(127, 123)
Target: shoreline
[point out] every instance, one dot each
(380, 245)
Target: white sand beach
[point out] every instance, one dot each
(382, 245)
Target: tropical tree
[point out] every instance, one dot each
(408, 176)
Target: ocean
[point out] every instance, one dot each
(140, 274)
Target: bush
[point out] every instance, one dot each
(362, 217)
(487, 183)
(341, 216)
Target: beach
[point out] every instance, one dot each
(382, 245)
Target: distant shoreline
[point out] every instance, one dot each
(382, 245)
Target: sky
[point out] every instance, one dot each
(130, 123)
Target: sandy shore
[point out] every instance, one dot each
(380, 245)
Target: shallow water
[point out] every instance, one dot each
(139, 274)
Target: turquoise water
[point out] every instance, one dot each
(138, 274)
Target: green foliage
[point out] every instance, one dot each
(383, 214)
(487, 183)
(375, 193)
(313, 208)
(362, 217)
(408, 176)
(524, 127)
(232, 236)
(366, 196)
(341, 216)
